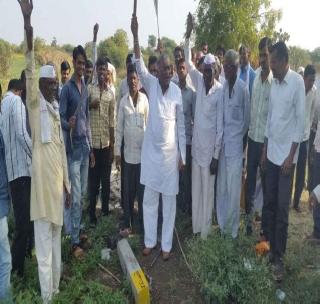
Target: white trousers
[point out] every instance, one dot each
(150, 218)
(48, 251)
(228, 193)
(202, 199)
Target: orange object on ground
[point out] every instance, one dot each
(262, 248)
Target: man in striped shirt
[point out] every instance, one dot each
(17, 144)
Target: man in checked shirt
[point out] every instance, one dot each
(101, 105)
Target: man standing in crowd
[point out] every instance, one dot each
(65, 70)
(284, 132)
(101, 105)
(74, 112)
(246, 72)
(163, 149)
(49, 165)
(207, 137)
(189, 103)
(258, 121)
(236, 118)
(18, 151)
(5, 255)
(131, 125)
(88, 74)
(310, 102)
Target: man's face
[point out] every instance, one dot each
(17, 92)
(244, 56)
(230, 70)
(182, 71)
(177, 56)
(48, 88)
(205, 49)
(65, 76)
(207, 74)
(220, 56)
(164, 72)
(264, 59)
(278, 66)
(153, 69)
(309, 81)
(133, 82)
(88, 73)
(79, 65)
(102, 73)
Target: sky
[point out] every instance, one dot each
(71, 21)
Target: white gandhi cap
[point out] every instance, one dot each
(47, 71)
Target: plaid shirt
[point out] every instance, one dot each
(102, 118)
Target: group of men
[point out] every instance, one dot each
(185, 133)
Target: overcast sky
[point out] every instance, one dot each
(71, 21)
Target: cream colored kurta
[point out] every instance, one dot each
(49, 164)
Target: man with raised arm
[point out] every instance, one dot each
(207, 137)
(163, 149)
(49, 165)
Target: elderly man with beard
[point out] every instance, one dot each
(49, 165)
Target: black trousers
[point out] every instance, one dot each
(300, 172)
(276, 208)
(310, 166)
(132, 189)
(100, 175)
(316, 182)
(184, 195)
(20, 195)
(253, 163)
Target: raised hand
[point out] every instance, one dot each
(134, 26)
(95, 32)
(26, 7)
(189, 25)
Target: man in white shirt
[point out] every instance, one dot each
(18, 151)
(257, 128)
(131, 124)
(163, 149)
(284, 132)
(236, 117)
(207, 137)
(311, 91)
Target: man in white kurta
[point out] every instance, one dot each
(49, 167)
(236, 117)
(163, 149)
(206, 140)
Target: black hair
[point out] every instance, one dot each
(265, 42)
(15, 84)
(131, 69)
(152, 60)
(178, 49)
(220, 48)
(309, 70)
(243, 48)
(180, 61)
(201, 60)
(23, 75)
(281, 49)
(102, 61)
(129, 58)
(89, 64)
(77, 51)
(65, 66)
(108, 59)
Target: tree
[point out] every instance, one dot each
(116, 48)
(233, 22)
(281, 36)
(315, 55)
(298, 57)
(68, 48)
(88, 49)
(152, 41)
(5, 57)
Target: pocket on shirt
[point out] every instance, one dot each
(235, 113)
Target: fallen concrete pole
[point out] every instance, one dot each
(134, 273)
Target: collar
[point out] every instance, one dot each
(270, 75)
(73, 79)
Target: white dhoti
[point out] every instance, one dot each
(48, 252)
(150, 218)
(202, 199)
(228, 193)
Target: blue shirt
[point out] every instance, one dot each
(74, 103)
(4, 185)
(244, 72)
